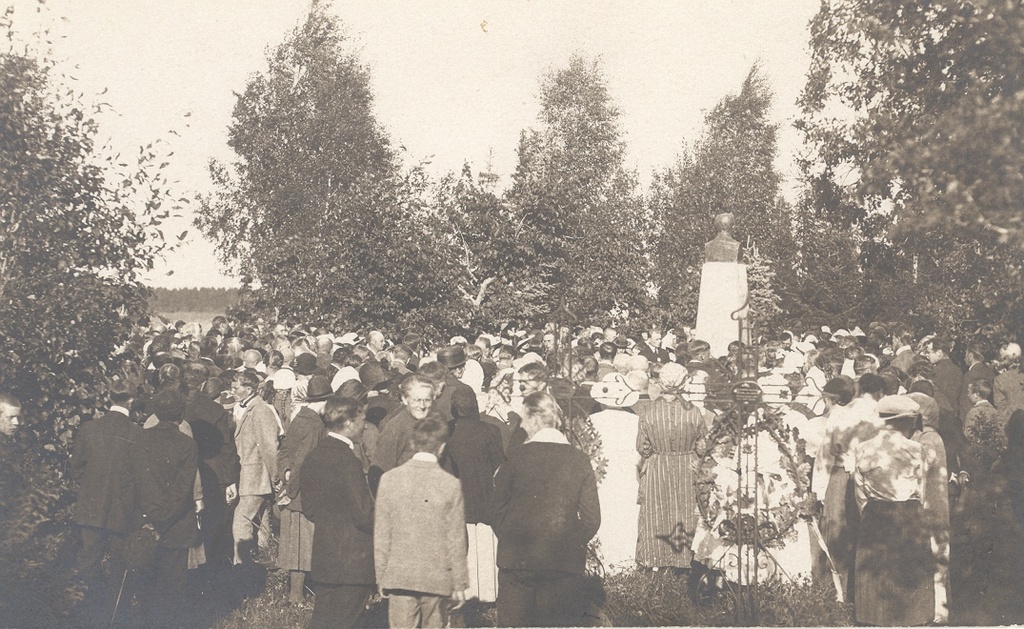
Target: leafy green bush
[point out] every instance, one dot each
(657, 599)
(36, 545)
(78, 228)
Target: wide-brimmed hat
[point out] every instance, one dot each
(614, 391)
(452, 356)
(526, 359)
(372, 375)
(318, 389)
(349, 338)
(305, 364)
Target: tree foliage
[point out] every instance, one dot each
(78, 227)
(581, 218)
(936, 93)
(316, 211)
(487, 253)
(730, 168)
(912, 113)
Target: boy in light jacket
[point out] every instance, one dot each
(419, 535)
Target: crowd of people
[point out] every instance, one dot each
(452, 477)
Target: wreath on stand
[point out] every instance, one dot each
(774, 493)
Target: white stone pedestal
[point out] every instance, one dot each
(723, 290)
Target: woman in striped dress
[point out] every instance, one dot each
(668, 431)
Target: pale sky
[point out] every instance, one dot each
(454, 81)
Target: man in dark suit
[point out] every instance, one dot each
(393, 447)
(546, 510)
(99, 464)
(214, 435)
(163, 464)
(473, 453)
(457, 399)
(977, 369)
(336, 498)
(947, 377)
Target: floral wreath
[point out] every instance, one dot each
(728, 513)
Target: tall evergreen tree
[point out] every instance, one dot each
(730, 168)
(582, 218)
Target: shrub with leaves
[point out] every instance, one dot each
(78, 226)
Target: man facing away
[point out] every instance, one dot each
(103, 509)
(419, 534)
(162, 469)
(336, 498)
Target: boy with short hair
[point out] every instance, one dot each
(419, 534)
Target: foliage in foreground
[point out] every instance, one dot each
(78, 227)
(659, 599)
(633, 599)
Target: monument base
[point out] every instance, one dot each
(723, 291)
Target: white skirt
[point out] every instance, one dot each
(483, 566)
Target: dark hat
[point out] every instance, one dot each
(353, 389)
(305, 364)
(452, 356)
(371, 374)
(318, 389)
(621, 341)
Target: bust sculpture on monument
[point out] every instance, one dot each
(723, 248)
(721, 307)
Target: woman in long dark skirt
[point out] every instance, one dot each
(894, 566)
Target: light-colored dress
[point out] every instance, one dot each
(668, 431)
(617, 491)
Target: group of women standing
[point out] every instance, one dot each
(879, 474)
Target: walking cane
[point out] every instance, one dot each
(118, 601)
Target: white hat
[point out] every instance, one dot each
(803, 347)
(526, 359)
(614, 390)
(349, 338)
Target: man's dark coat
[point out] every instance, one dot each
(336, 498)
(473, 453)
(163, 472)
(99, 464)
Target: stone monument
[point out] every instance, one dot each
(722, 305)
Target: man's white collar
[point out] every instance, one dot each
(548, 435)
(341, 437)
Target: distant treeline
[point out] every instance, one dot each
(216, 300)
